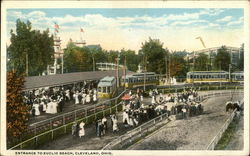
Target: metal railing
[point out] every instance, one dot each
(135, 134)
(218, 136)
(48, 126)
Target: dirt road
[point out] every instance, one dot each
(194, 133)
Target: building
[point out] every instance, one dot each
(235, 53)
(212, 52)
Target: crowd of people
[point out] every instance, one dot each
(135, 111)
(52, 100)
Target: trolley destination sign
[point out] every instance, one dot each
(122, 78)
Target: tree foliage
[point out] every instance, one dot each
(132, 60)
(154, 55)
(178, 66)
(77, 59)
(202, 62)
(222, 59)
(32, 44)
(17, 111)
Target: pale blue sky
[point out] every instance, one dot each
(127, 27)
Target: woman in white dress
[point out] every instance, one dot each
(68, 94)
(94, 98)
(54, 107)
(82, 130)
(141, 97)
(36, 107)
(49, 107)
(44, 105)
(76, 96)
(88, 98)
(115, 126)
(153, 100)
(83, 98)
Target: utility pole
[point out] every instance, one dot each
(166, 68)
(230, 72)
(169, 68)
(62, 63)
(144, 83)
(93, 59)
(117, 70)
(27, 65)
(124, 81)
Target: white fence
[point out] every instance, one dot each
(217, 138)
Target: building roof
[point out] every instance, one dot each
(33, 82)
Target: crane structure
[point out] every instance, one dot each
(202, 42)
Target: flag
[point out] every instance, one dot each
(81, 30)
(56, 26)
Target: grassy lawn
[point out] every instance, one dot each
(227, 135)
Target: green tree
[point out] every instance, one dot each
(154, 56)
(132, 59)
(240, 63)
(17, 111)
(30, 47)
(201, 62)
(77, 59)
(222, 59)
(178, 66)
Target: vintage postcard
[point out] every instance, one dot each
(124, 78)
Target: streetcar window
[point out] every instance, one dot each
(99, 89)
(108, 89)
(104, 90)
(191, 76)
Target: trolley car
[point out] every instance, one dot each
(106, 87)
(139, 79)
(213, 76)
(238, 76)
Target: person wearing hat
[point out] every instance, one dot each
(82, 130)
(74, 128)
(105, 124)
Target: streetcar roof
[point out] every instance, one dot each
(106, 81)
(132, 75)
(207, 72)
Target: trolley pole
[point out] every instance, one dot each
(117, 71)
(124, 80)
(144, 83)
(230, 72)
(62, 63)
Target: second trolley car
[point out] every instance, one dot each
(140, 79)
